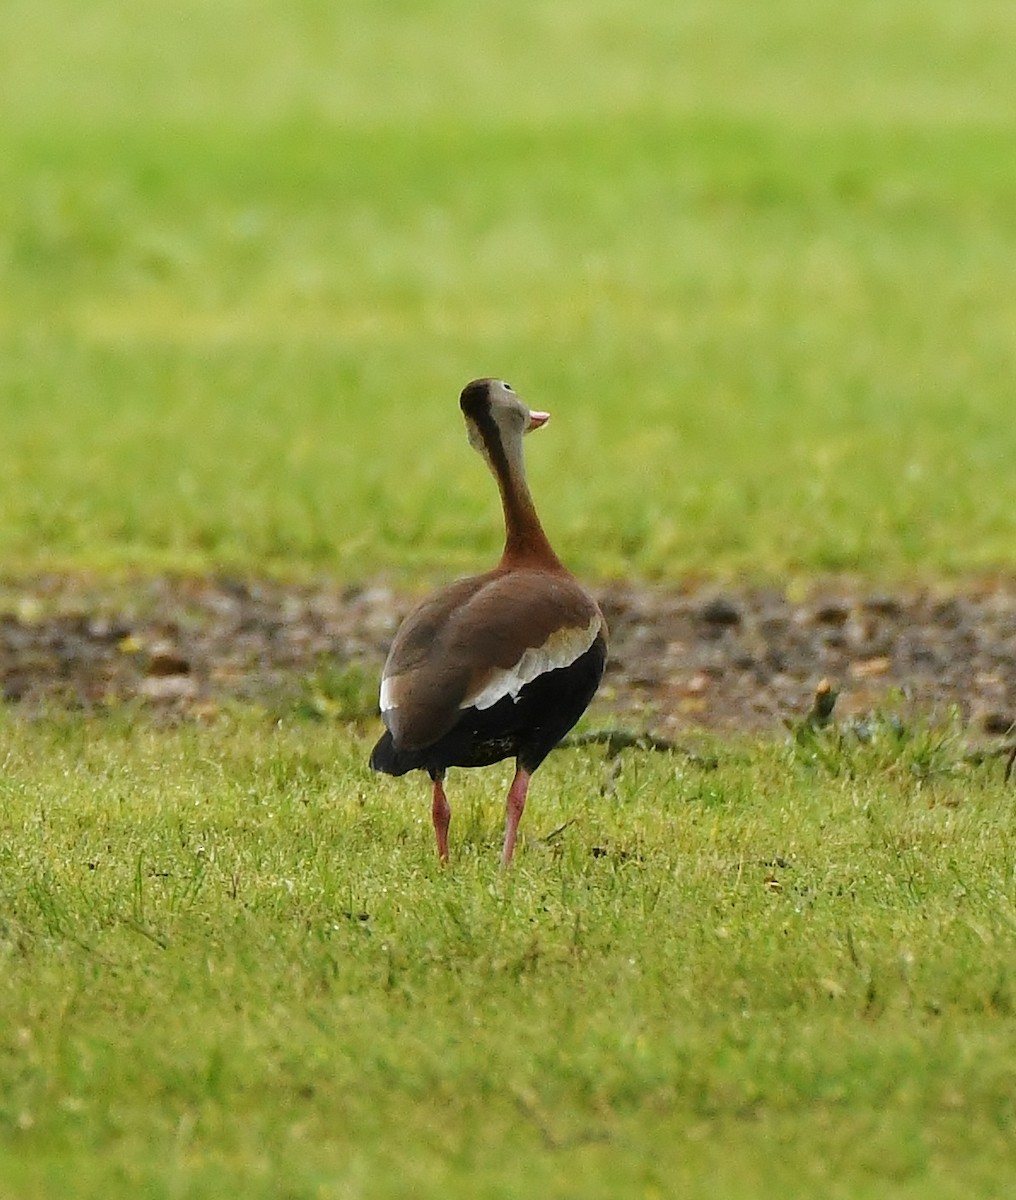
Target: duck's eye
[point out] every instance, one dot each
(507, 386)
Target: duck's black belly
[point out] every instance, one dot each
(526, 728)
(529, 727)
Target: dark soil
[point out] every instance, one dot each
(732, 659)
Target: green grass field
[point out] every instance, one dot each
(758, 260)
(233, 966)
(761, 264)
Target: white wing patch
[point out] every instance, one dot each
(385, 702)
(561, 649)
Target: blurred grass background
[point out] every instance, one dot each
(757, 260)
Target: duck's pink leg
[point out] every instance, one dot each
(514, 807)
(441, 812)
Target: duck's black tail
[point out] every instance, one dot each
(385, 757)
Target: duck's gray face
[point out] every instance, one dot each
(492, 404)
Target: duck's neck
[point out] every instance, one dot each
(525, 542)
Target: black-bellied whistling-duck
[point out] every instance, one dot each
(500, 664)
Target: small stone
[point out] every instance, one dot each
(997, 724)
(165, 659)
(720, 610)
(697, 683)
(831, 612)
(949, 613)
(168, 687)
(880, 605)
(868, 668)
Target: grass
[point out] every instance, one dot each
(758, 260)
(232, 964)
(761, 261)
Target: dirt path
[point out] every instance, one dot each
(680, 658)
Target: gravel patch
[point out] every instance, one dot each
(700, 656)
